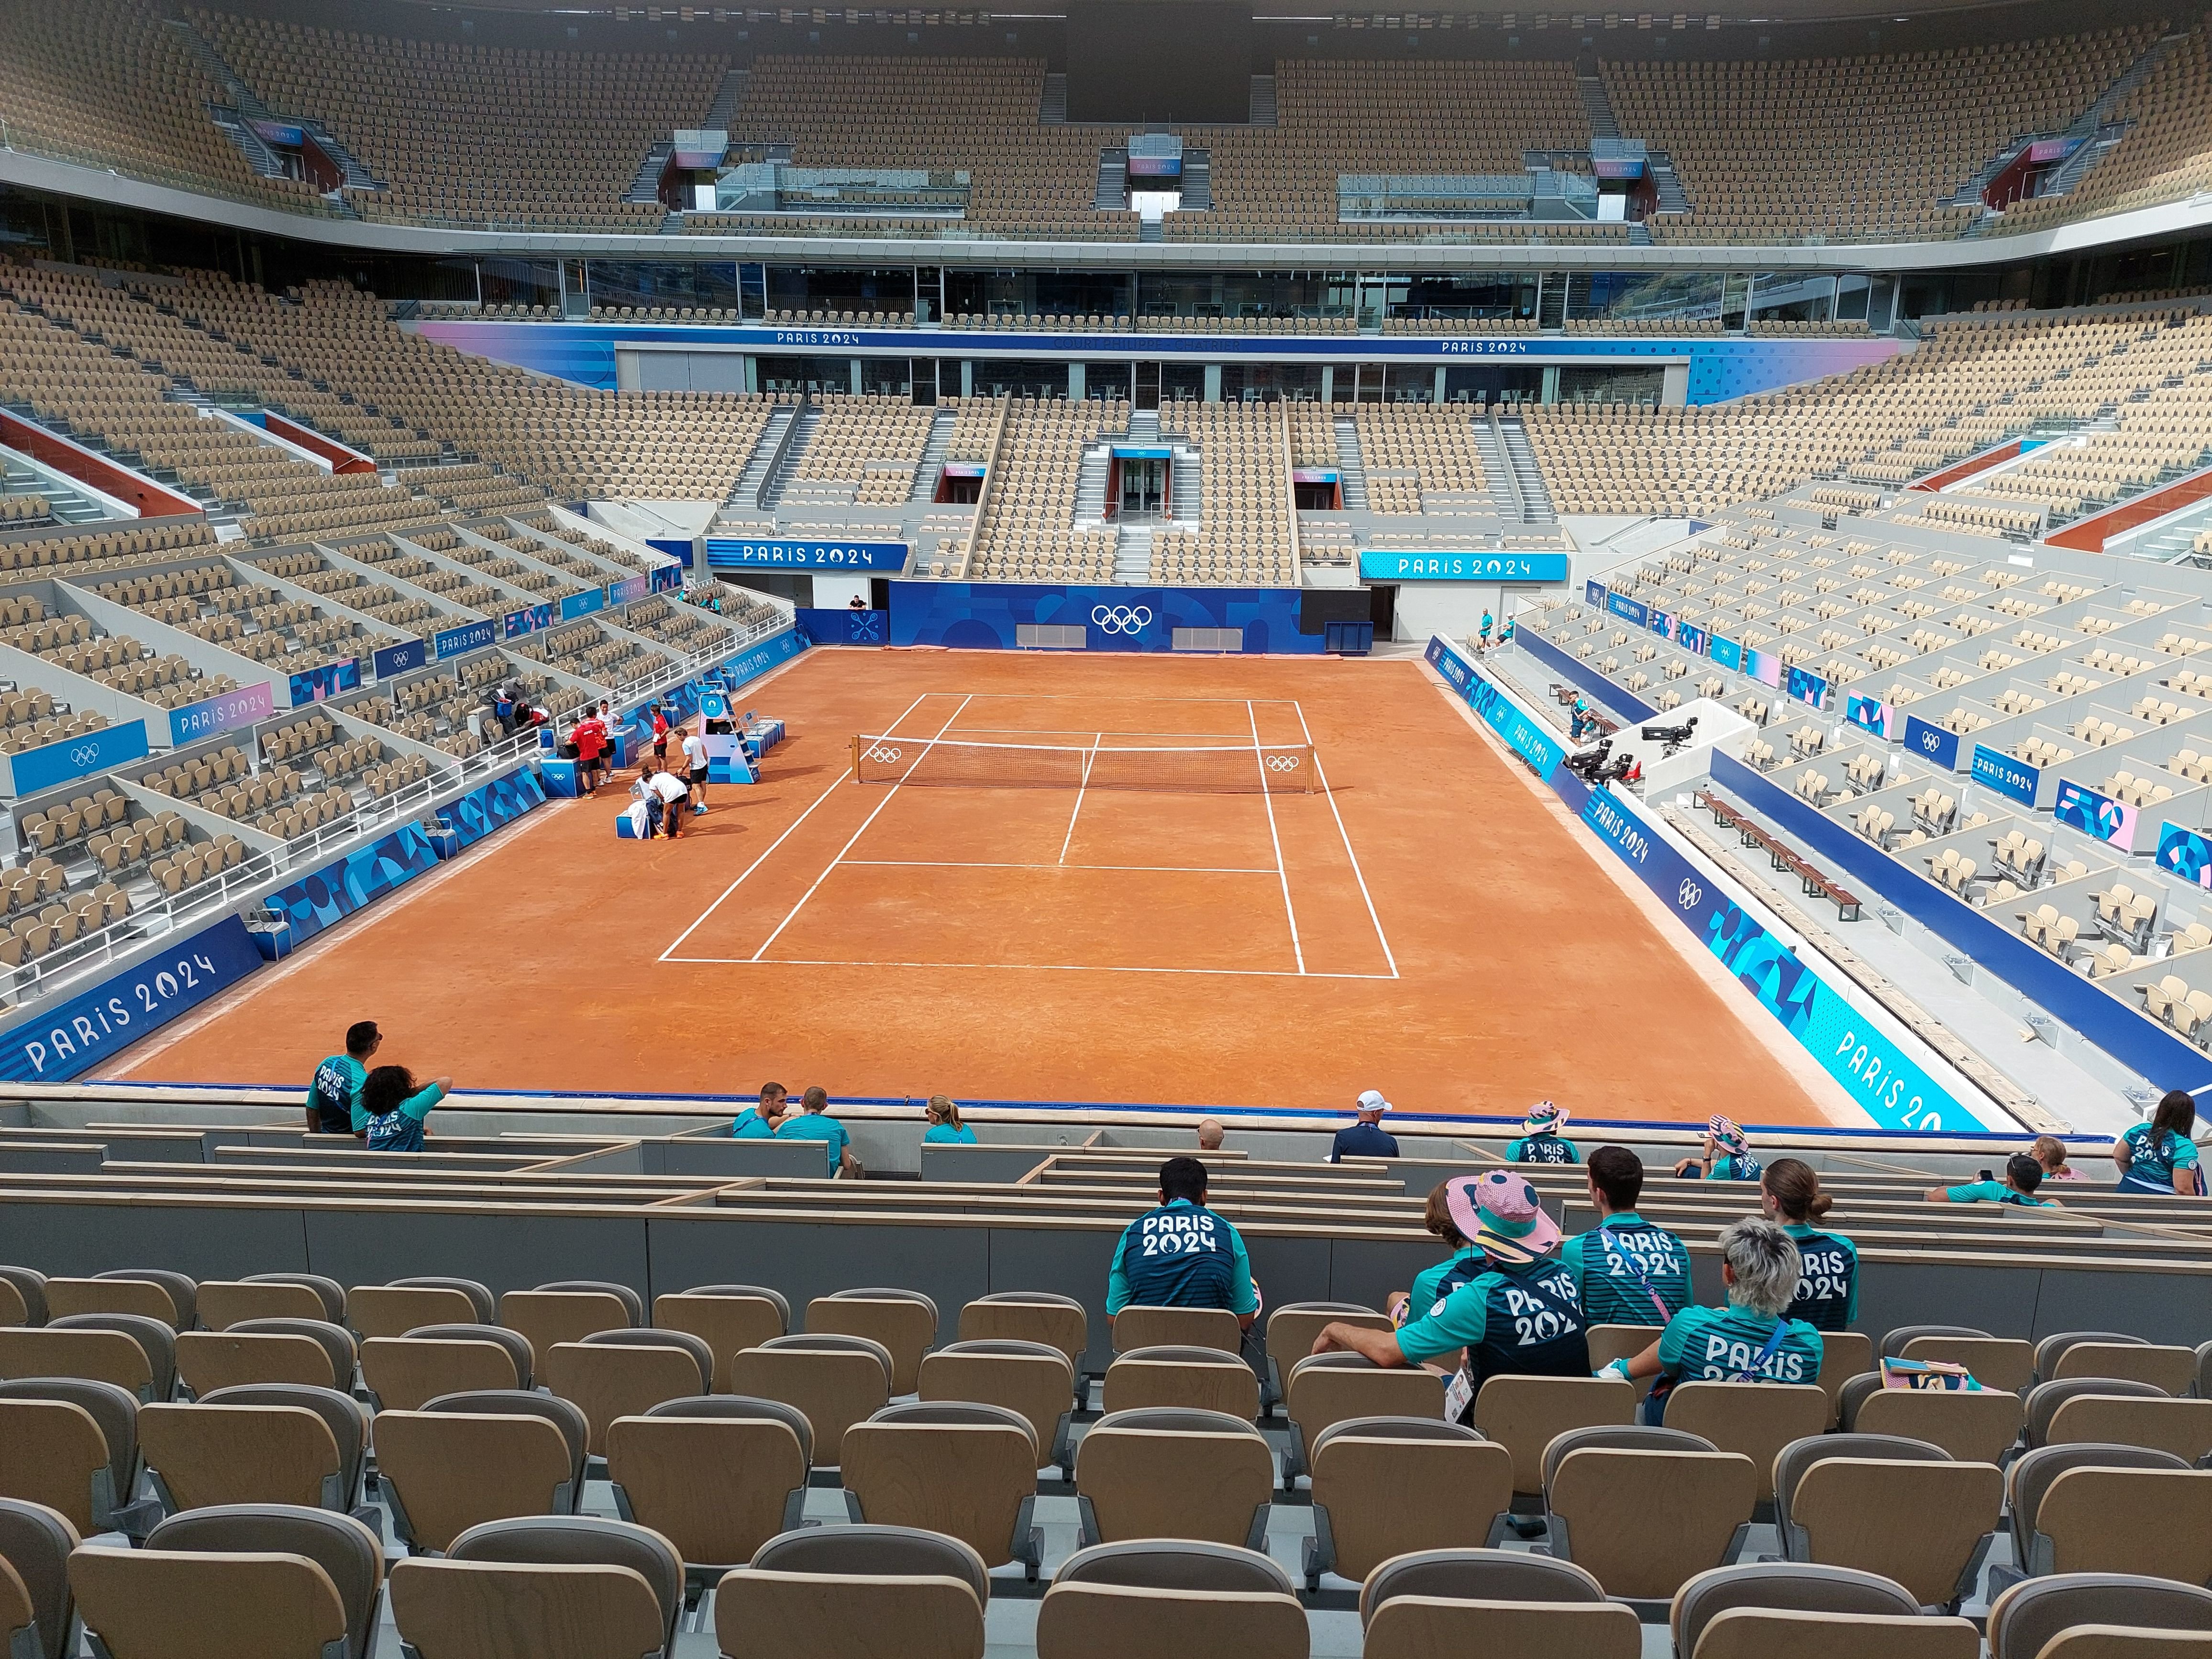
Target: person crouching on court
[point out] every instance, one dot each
(1519, 1317)
(1182, 1255)
(663, 795)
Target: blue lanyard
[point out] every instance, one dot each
(1642, 1280)
(1750, 1373)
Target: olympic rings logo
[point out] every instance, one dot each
(1688, 894)
(1122, 618)
(84, 754)
(885, 753)
(1283, 763)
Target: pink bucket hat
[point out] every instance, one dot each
(1498, 1211)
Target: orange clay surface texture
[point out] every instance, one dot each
(1426, 926)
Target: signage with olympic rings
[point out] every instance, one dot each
(33, 769)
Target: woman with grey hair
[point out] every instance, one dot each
(1749, 1341)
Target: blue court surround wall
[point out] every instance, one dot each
(1893, 1089)
(93, 1026)
(985, 616)
(1720, 365)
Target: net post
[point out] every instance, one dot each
(856, 759)
(1309, 769)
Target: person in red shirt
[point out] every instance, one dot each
(589, 734)
(660, 735)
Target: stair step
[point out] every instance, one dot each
(1261, 110)
(728, 98)
(1112, 193)
(1051, 106)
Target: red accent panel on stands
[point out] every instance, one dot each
(151, 500)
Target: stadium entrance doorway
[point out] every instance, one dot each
(1144, 486)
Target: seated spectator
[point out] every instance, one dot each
(761, 1122)
(1827, 1296)
(1750, 1340)
(1433, 1284)
(1726, 1156)
(1627, 1271)
(392, 1108)
(945, 1128)
(1540, 1140)
(1182, 1254)
(2022, 1176)
(2160, 1156)
(2050, 1151)
(1209, 1134)
(812, 1122)
(1366, 1138)
(1518, 1316)
(336, 1086)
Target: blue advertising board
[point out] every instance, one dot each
(33, 769)
(2079, 807)
(1524, 735)
(1594, 593)
(401, 659)
(1870, 714)
(1726, 652)
(845, 626)
(2015, 779)
(989, 616)
(248, 705)
(528, 620)
(1763, 666)
(1626, 609)
(1658, 621)
(2185, 853)
(325, 681)
(583, 604)
(628, 589)
(1378, 564)
(459, 642)
(1806, 688)
(64, 1042)
(1691, 640)
(665, 578)
(1925, 740)
(778, 553)
(344, 885)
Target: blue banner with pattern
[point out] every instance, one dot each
(61, 1042)
(502, 801)
(325, 681)
(831, 626)
(344, 885)
(2184, 854)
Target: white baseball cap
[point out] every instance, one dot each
(1372, 1101)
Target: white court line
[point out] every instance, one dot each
(1082, 784)
(890, 795)
(1267, 800)
(669, 954)
(1356, 873)
(1016, 967)
(1155, 869)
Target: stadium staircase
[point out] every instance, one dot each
(2095, 134)
(64, 504)
(357, 176)
(1351, 465)
(1112, 193)
(727, 97)
(1261, 109)
(1521, 471)
(931, 466)
(645, 186)
(1133, 554)
(1597, 105)
(747, 496)
(1672, 198)
(203, 53)
(797, 435)
(1090, 486)
(1052, 103)
(1197, 181)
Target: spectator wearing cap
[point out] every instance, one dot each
(2022, 1176)
(1726, 1155)
(1518, 1316)
(1366, 1138)
(1182, 1254)
(1752, 1339)
(1627, 1271)
(1540, 1140)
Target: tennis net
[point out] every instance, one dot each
(1243, 769)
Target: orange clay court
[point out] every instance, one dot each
(1428, 922)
